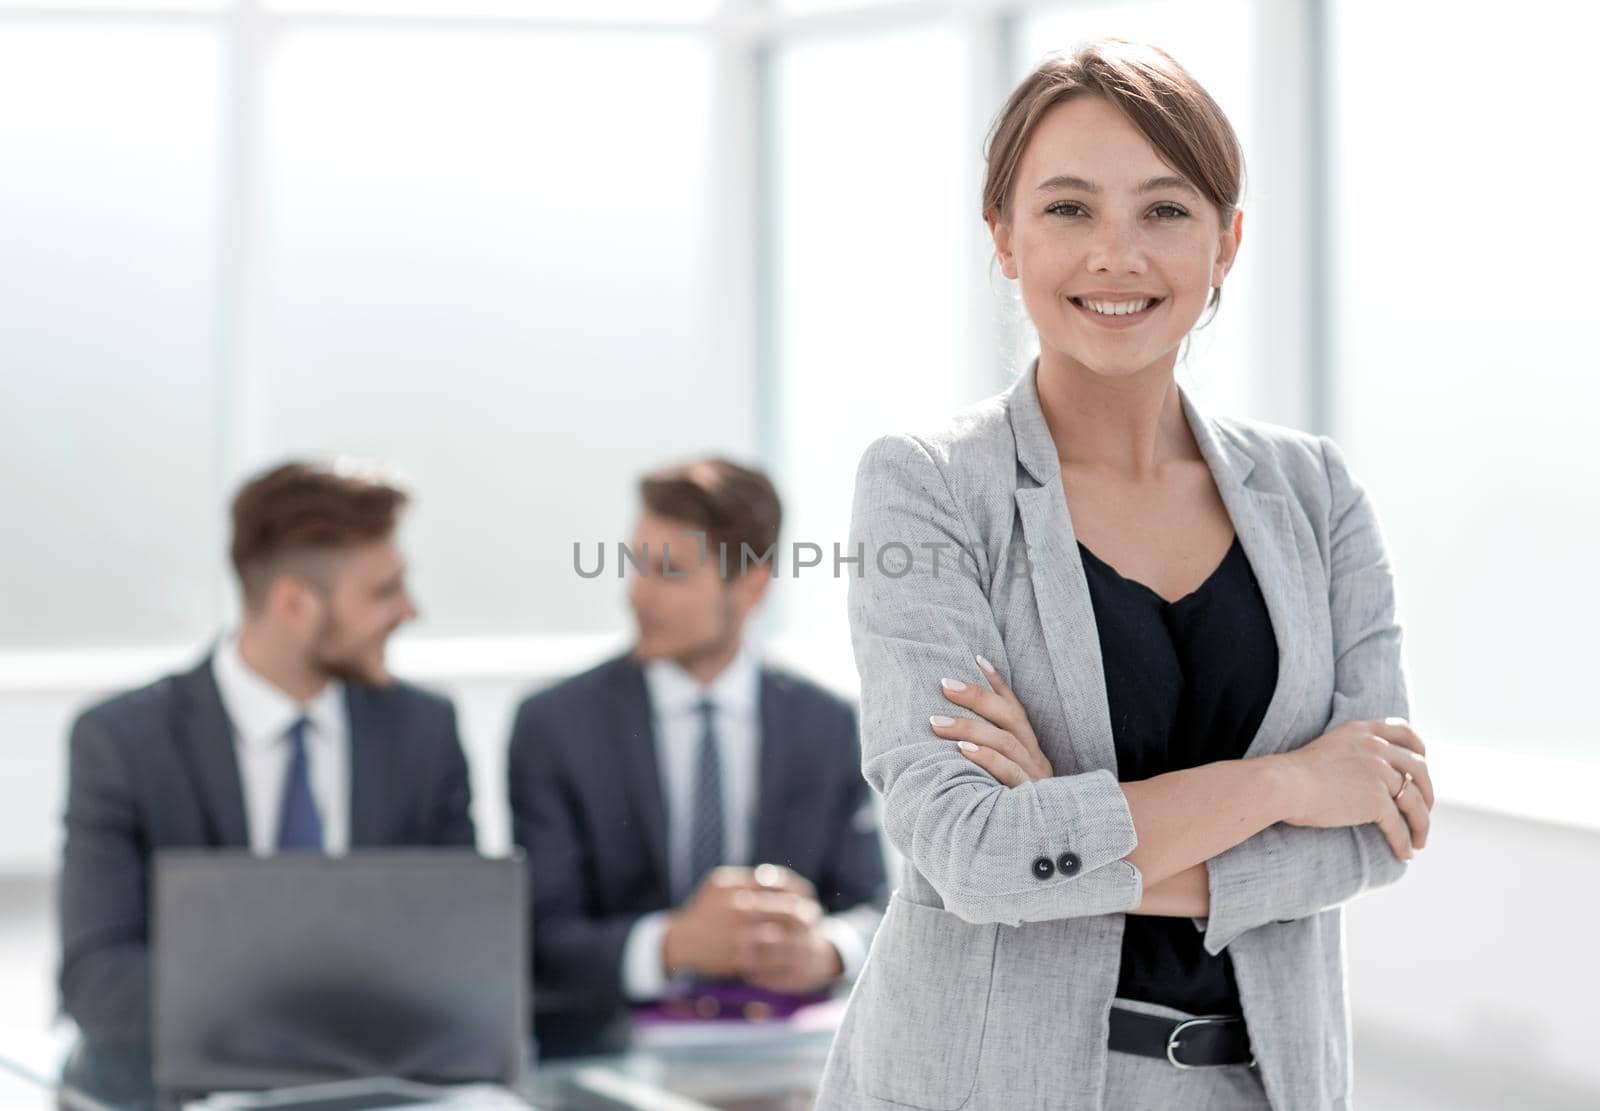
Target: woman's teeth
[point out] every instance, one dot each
(1119, 308)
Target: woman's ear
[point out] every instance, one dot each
(1228, 248)
(1000, 232)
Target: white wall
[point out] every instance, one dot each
(1481, 966)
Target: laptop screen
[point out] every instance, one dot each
(294, 969)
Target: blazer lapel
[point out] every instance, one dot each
(636, 752)
(205, 742)
(1266, 529)
(370, 723)
(1066, 614)
(1061, 591)
(774, 750)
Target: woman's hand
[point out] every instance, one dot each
(1349, 776)
(1002, 743)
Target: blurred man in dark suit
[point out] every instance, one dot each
(291, 736)
(688, 811)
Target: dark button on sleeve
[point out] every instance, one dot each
(1043, 869)
(1069, 864)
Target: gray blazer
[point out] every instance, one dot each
(989, 988)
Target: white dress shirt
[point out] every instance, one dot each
(674, 697)
(261, 715)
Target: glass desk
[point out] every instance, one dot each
(770, 1076)
(773, 1074)
(21, 1093)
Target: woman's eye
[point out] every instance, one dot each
(1073, 208)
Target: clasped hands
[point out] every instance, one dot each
(762, 925)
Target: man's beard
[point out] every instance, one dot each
(344, 665)
(712, 645)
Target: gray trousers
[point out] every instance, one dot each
(1135, 1083)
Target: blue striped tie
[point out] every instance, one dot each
(299, 824)
(705, 830)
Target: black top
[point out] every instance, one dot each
(1187, 683)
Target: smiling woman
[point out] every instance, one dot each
(1190, 749)
(1072, 231)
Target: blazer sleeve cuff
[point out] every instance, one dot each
(1053, 848)
(1287, 872)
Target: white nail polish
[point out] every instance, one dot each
(985, 664)
(968, 745)
(953, 684)
(941, 719)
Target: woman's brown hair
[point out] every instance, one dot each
(1159, 97)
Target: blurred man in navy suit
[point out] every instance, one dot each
(688, 811)
(291, 736)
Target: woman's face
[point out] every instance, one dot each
(1097, 218)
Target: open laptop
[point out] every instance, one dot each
(294, 969)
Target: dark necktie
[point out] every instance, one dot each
(299, 824)
(705, 830)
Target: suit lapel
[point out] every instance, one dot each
(1266, 529)
(370, 723)
(1066, 613)
(1061, 592)
(775, 749)
(636, 751)
(205, 742)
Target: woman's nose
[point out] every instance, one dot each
(1114, 245)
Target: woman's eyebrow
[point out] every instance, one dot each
(1148, 185)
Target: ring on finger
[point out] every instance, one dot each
(1405, 781)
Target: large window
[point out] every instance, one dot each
(109, 386)
(528, 248)
(487, 258)
(873, 190)
(1464, 375)
(236, 232)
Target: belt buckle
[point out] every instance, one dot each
(1199, 1020)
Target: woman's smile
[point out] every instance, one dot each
(1117, 315)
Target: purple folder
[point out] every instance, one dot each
(729, 1002)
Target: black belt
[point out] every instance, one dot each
(1187, 1042)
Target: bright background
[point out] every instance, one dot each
(528, 249)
